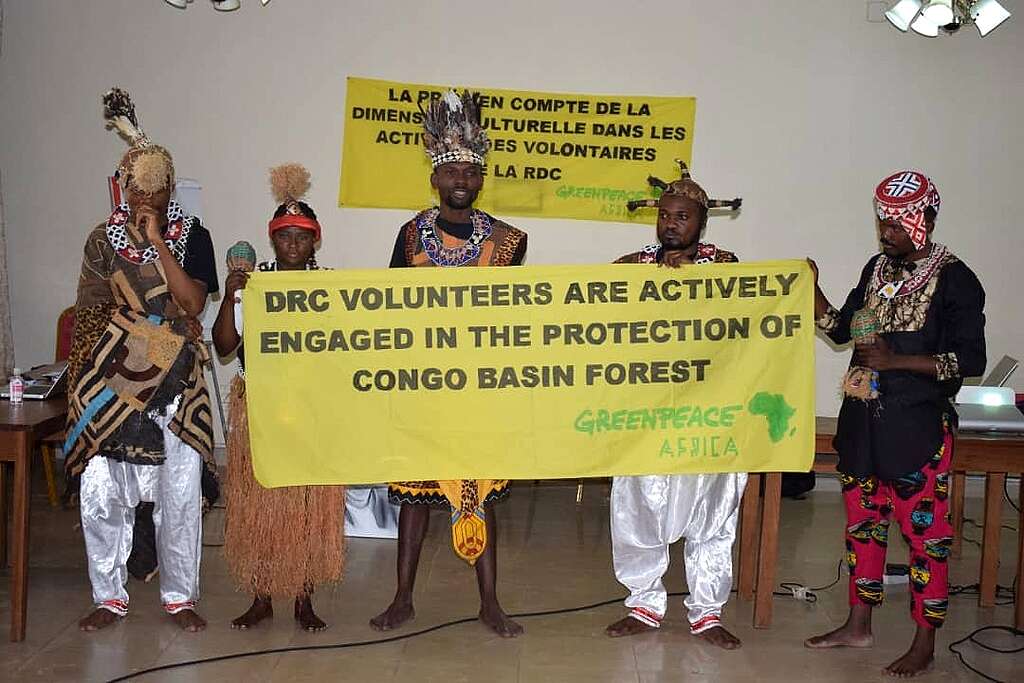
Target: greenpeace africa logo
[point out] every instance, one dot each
(775, 411)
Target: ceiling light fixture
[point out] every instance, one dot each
(221, 5)
(987, 14)
(901, 14)
(939, 12)
(926, 17)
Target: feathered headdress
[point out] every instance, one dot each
(684, 187)
(289, 183)
(452, 131)
(145, 168)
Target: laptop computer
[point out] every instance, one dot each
(43, 382)
(991, 407)
(1000, 373)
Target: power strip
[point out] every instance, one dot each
(896, 573)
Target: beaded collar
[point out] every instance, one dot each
(271, 266)
(706, 253)
(175, 236)
(922, 273)
(440, 255)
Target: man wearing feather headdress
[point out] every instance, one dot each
(285, 540)
(649, 513)
(139, 422)
(917, 321)
(453, 234)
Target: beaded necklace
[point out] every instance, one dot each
(923, 272)
(440, 255)
(271, 266)
(706, 253)
(175, 236)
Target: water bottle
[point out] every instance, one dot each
(16, 387)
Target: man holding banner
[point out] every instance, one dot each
(916, 319)
(453, 235)
(649, 513)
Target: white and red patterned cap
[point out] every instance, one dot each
(903, 197)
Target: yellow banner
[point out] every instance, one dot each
(554, 155)
(360, 376)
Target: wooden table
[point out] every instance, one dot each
(22, 424)
(994, 454)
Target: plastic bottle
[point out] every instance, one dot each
(16, 387)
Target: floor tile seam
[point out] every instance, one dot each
(38, 652)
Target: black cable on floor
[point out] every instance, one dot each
(1007, 593)
(799, 591)
(972, 638)
(361, 643)
(1006, 492)
(809, 597)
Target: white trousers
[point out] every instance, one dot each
(651, 512)
(369, 513)
(111, 489)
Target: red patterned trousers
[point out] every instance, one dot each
(919, 503)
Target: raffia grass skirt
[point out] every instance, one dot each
(277, 541)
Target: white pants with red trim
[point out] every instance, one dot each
(110, 491)
(650, 513)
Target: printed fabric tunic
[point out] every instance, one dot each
(427, 241)
(130, 355)
(933, 307)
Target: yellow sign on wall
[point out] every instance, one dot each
(524, 373)
(554, 155)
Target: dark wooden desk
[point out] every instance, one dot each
(994, 454)
(21, 426)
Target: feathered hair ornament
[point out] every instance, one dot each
(145, 168)
(687, 187)
(119, 111)
(289, 183)
(452, 130)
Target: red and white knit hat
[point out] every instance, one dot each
(903, 197)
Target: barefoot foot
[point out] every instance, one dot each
(188, 621)
(261, 608)
(394, 616)
(306, 617)
(717, 635)
(844, 636)
(918, 659)
(627, 626)
(909, 665)
(494, 618)
(98, 619)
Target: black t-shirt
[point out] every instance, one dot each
(199, 260)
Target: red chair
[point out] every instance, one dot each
(49, 445)
(65, 332)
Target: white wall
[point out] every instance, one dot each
(802, 106)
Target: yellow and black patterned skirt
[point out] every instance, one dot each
(465, 498)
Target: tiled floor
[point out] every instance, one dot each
(552, 554)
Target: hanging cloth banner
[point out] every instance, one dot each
(358, 376)
(553, 155)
